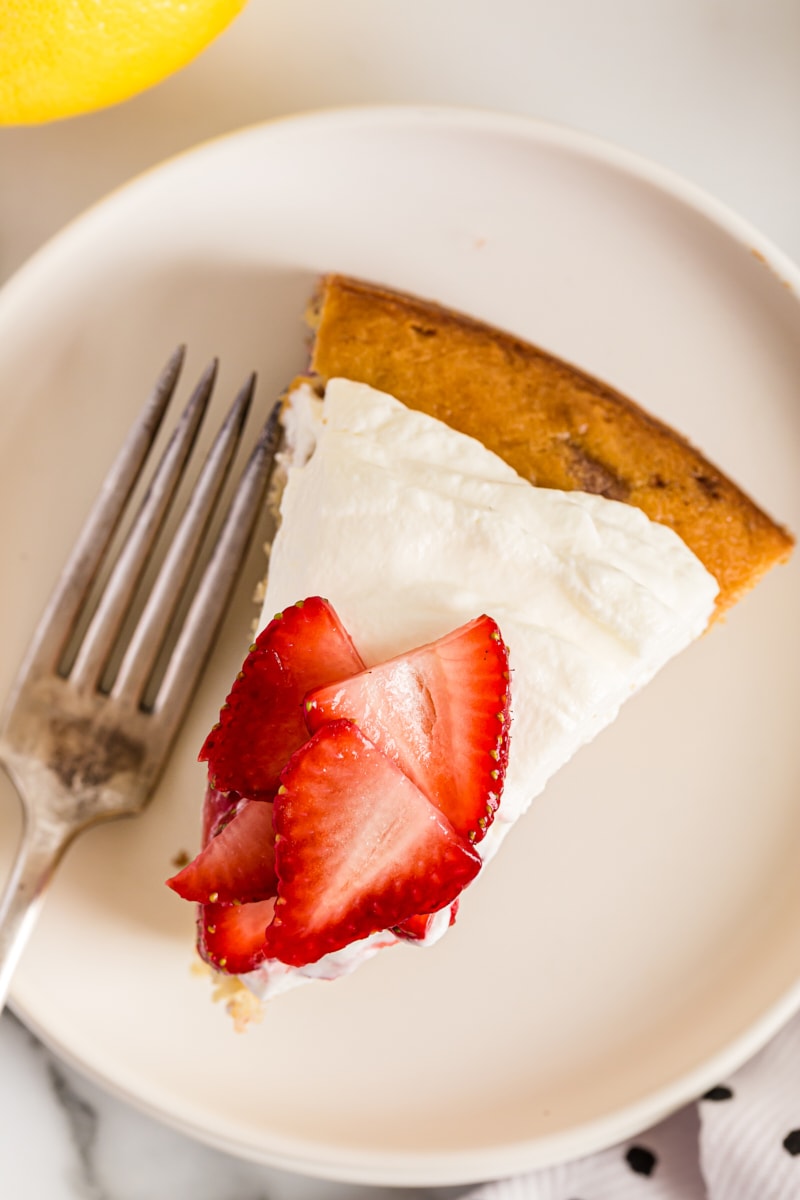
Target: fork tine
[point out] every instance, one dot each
(78, 756)
(205, 613)
(69, 596)
(149, 634)
(98, 641)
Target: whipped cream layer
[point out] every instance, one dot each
(411, 529)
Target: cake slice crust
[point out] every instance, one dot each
(557, 426)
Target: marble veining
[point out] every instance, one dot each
(81, 1121)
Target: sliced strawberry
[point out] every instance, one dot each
(230, 937)
(238, 864)
(416, 929)
(218, 807)
(262, 724)
(358, 848)
(442, 714)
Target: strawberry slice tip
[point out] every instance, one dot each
(237, 864)
(359, 848)
(442, 713)
(261, 723)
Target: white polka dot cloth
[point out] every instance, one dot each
(741, 1141)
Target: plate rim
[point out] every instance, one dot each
(589, 145)
(459, 1168)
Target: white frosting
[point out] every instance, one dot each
(411, 529)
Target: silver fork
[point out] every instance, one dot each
(79, 747)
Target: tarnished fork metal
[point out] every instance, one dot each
(81, 748)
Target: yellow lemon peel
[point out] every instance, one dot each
(59, 58)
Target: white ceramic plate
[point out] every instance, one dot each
(639, 936)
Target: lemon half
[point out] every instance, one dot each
(59, 58)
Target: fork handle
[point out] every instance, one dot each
(40, 851)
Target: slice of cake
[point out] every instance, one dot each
(508, 549)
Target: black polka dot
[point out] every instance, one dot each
(719, 1093)
(641, 1160)
(791, 1143)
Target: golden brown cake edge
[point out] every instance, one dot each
(556, 425)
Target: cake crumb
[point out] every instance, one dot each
(241, 1005)
(245, 1010)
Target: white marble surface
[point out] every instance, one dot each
(710, 88)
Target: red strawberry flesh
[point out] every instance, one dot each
(262, 722)
(230, 937)
(359, 848)
(218, 807)
(441, 713)
(416, 929)
(237, 864)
